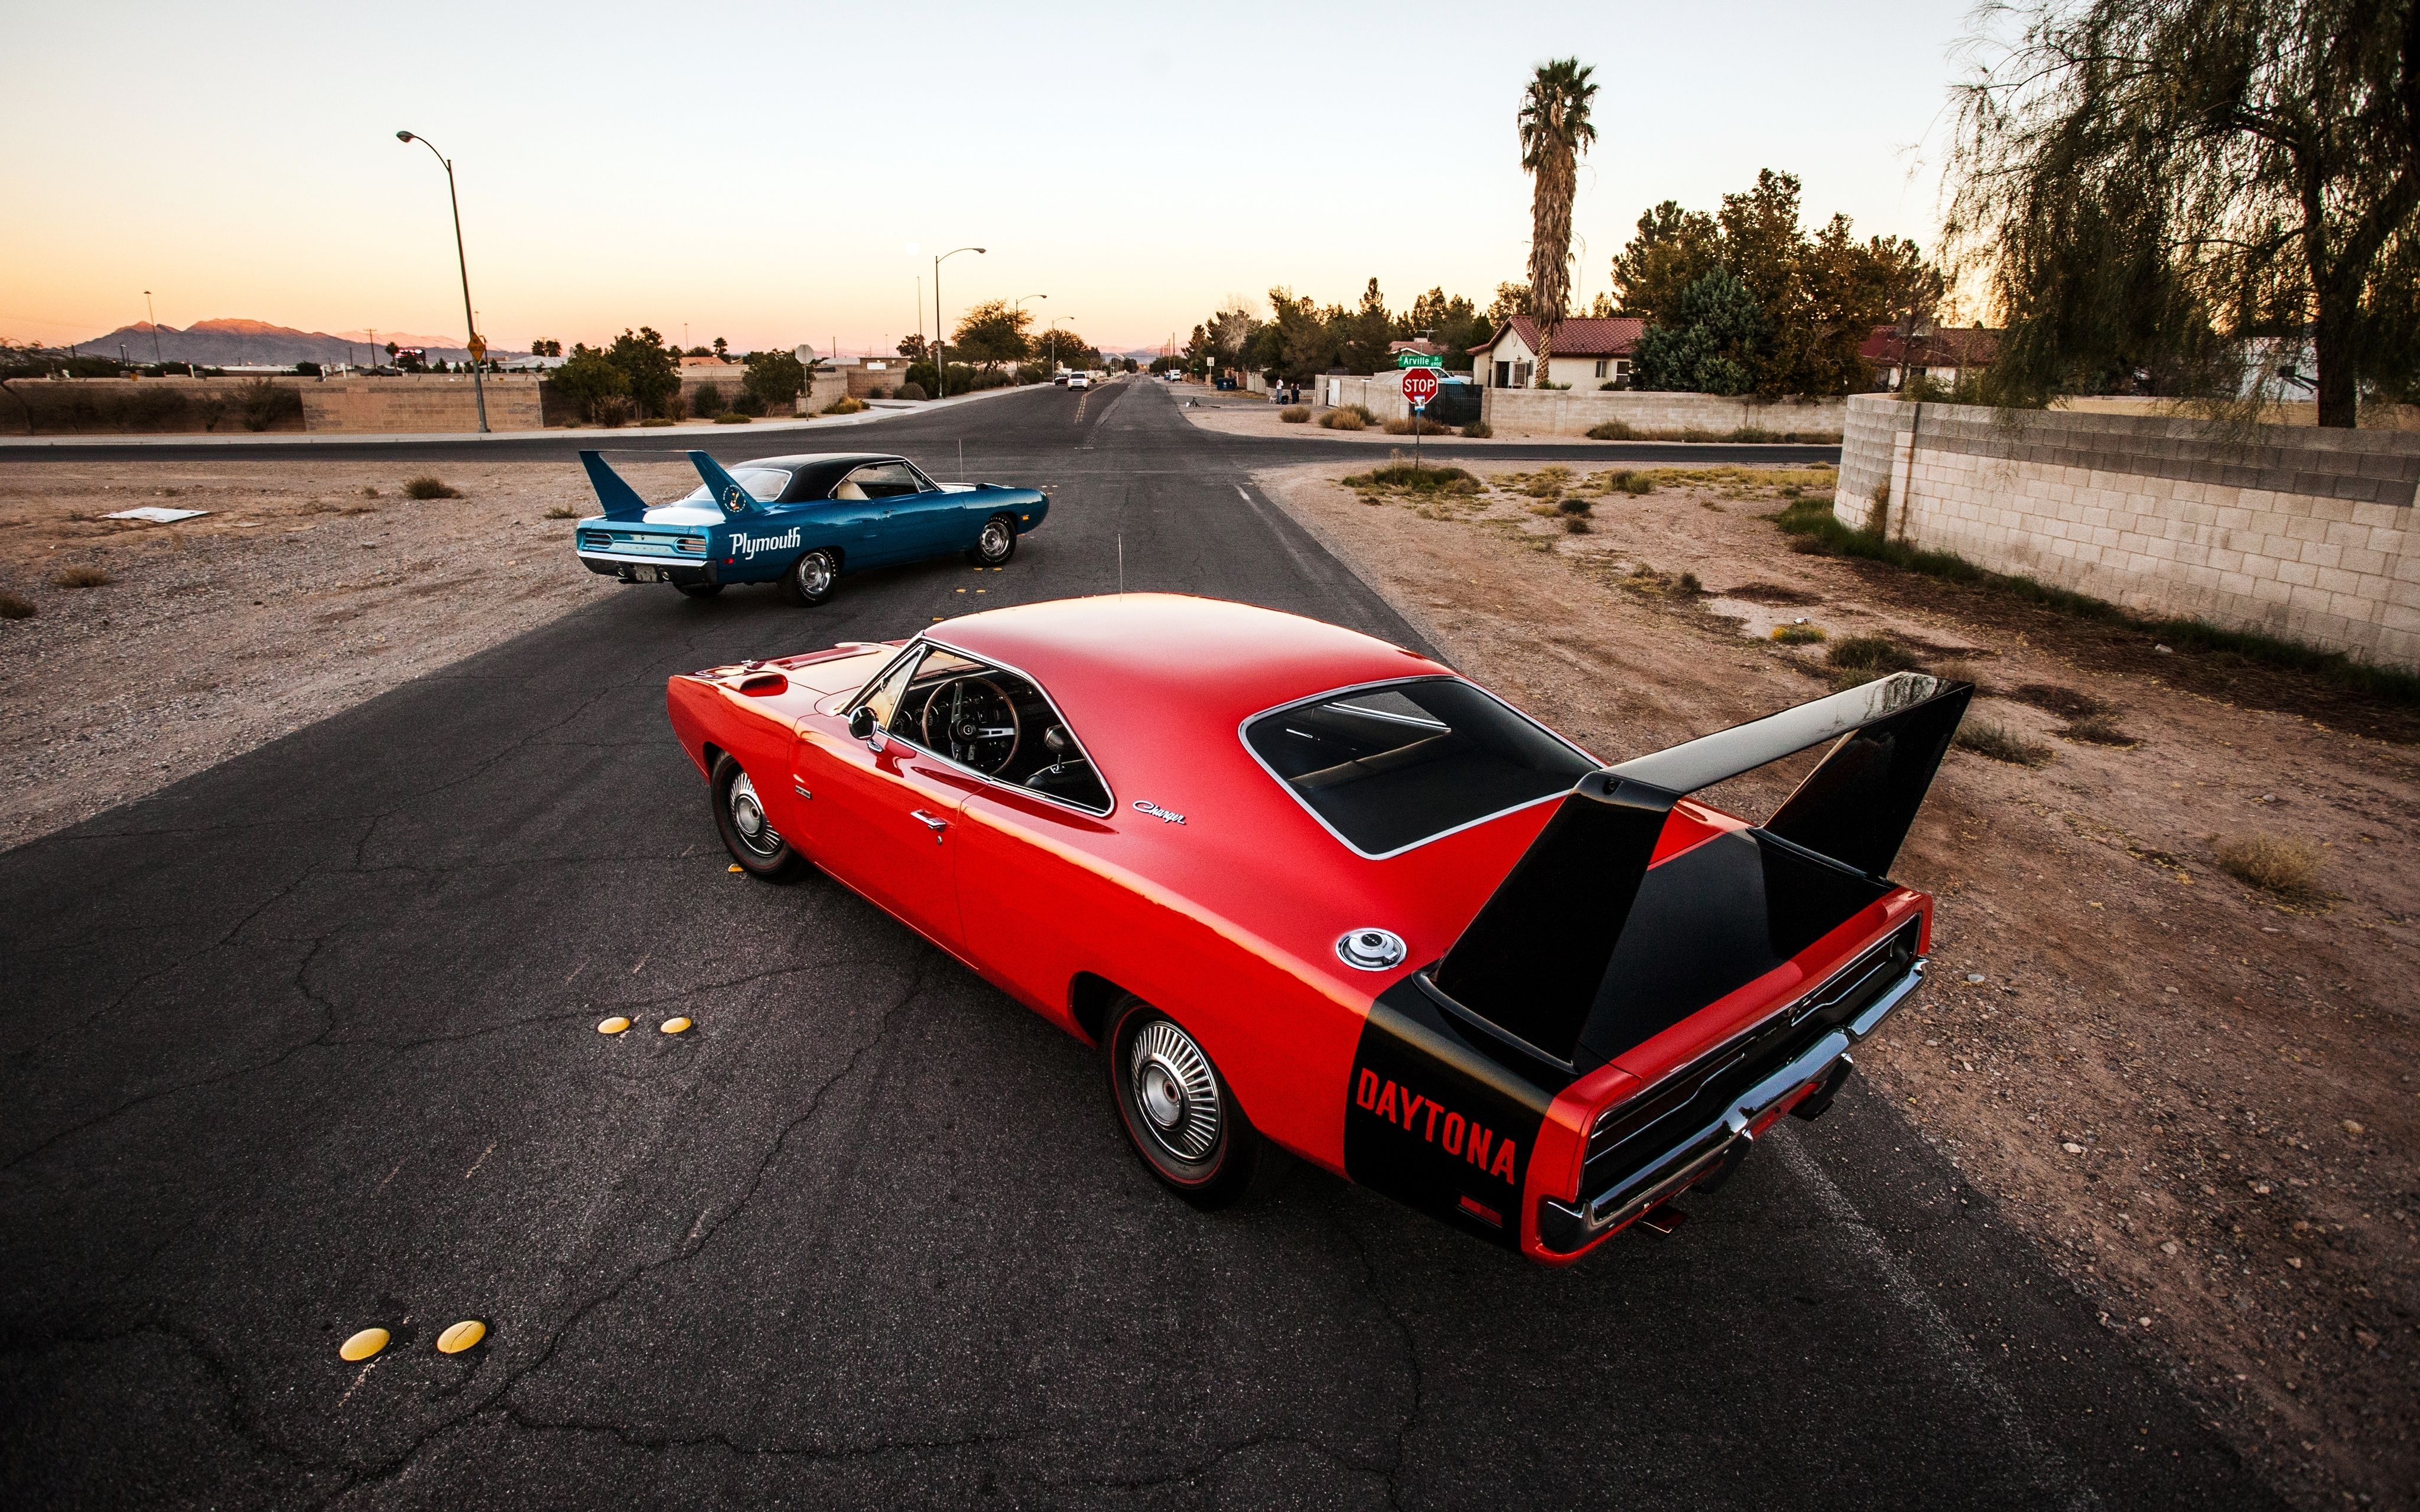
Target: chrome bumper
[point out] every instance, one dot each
(1566, 1229)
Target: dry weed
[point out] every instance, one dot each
(2287, 866)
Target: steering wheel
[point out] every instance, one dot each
(974, 721)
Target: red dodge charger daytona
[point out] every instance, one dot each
(1308, 888)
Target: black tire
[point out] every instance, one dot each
(753, 843)
(997, 544)
(698, 590)
(811, 579)
(1178, 1114)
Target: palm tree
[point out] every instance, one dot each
(1555, 131)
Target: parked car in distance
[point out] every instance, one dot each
(798, 522)
(1310, 891)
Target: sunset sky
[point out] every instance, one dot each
(758, 173)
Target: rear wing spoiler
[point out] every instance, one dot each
(1540, 947)
(622, 502)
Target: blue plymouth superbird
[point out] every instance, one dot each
(798, 522)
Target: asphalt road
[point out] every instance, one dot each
(303, 1043)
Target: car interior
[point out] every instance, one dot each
(991, 722)
(881, 480)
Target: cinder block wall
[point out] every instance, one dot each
(1572, 412)
(419, 403)
(2303, 533)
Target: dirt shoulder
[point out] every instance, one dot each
(2199, 1098)
(308, 588)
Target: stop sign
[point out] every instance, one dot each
(1420, 385)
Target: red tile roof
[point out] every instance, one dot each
(1943, 347)
(1577, 338)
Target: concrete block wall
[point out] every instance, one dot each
(1574, 413)
(419, 403)
(2306, 534)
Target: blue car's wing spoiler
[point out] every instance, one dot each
(622, 502)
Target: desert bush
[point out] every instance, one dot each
(1576, 525)
(1869, 655)
(2000, 743)
(1611, 430)
(2097, 729)
(562, 511)
(1346, 418)
(706, 402)
(1295, 414)
(81, 578)
(264, 404)
(1416, 480)
(653, 422)
(14, 608)
(1416, 425)
(911, 391)
(1478, 430)
(2280, 865)
(1630, 482)
(846, 405)
(1798, 634)
(1690, 585)
(425, 486)
(1573, 506)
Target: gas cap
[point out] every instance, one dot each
(1370, 950)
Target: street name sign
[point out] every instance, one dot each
(1418, 359)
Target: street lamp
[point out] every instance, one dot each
(940, 348)
(154, 316)
(1019, 303)
(479, 389)
(1054, 341)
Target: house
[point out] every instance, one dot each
(1422, 348)
(1940, 355)
(690, 365)
(1587, 353)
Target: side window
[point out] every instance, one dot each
(924, 484)
(990, 721)
(883, 697)
(879, 480)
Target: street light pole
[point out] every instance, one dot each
(941, 349)
(154, 316)
(1020, 306)
(478, 387)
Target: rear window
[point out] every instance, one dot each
(764, 485)
(1388, 767)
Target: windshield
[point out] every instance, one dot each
(764, 485)
(1390, 768)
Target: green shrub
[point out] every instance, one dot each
(774, 380)
(732, 417)
(1416, 479)
(706, 402)
(1295, 414)
(1478, 430)
(1611, 430)
(910, 390)
(1797, 635)
(1869, 657)
(425, 486)
(747, 403)
(1625, 481)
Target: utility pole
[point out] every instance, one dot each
(479, 389)
(153, 316)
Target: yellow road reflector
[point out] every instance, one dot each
(614, 1026)
(461, 1337)
(737, 867)
(364, 1344)
(675, 1025)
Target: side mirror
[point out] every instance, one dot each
(861, 722)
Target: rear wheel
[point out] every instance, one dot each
(996, 545)
(747, 831)
(810, 579)
(1177, 1112)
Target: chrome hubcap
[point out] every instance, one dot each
(995, 539)
(815, 572)
(1176, 1092)
(748, 816)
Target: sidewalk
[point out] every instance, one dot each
(878, 410)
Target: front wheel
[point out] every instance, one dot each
(1177, 1112)
(996, 545)
(747, 831)
(810, 579)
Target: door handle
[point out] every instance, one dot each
(932, 823)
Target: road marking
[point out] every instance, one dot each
(2052, 1473)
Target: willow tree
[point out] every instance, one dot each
(2149, 184)
(1555, 131)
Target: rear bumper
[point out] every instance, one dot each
(624, 565)
(1566, 1229)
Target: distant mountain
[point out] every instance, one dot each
(239, 343)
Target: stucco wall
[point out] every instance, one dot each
(2303, 533)
(1573, 412)
(429, 403)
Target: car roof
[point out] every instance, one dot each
(802, 459)
(1175, 660)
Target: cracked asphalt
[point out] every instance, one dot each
(305, 1043)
